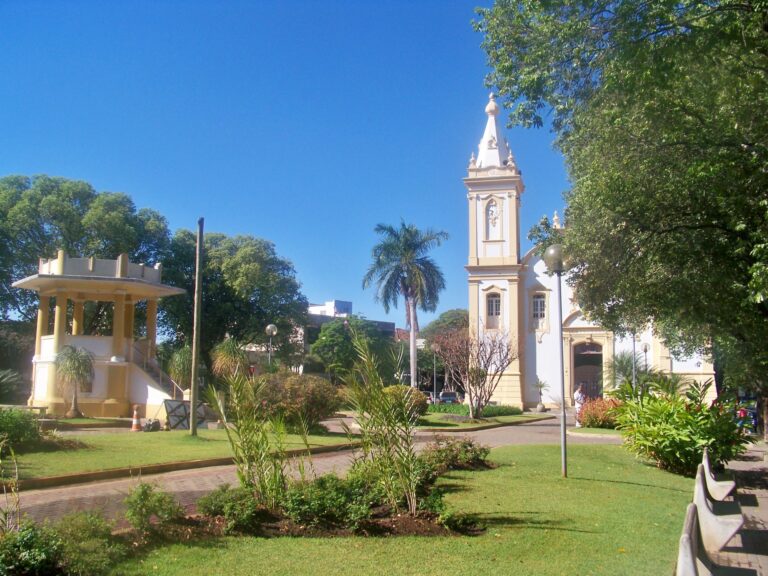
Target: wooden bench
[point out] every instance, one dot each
(692, 558)
(719, 521)
(718, 489)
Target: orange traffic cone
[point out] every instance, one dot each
(136, 424)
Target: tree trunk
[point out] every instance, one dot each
(414, 362)
(74, 411)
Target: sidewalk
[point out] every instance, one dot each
(749, 548)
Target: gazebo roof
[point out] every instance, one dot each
(98, 279)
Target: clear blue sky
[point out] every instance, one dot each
(302, 122)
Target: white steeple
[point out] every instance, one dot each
(493, 151)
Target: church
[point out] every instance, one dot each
(516, 297)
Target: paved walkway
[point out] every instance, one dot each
(748, 549)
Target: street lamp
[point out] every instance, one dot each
(271, 331)
(435, 349)
(645, 353)
(553, 258)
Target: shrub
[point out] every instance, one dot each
(455, 454)
(673, 431)
(146, 502)
(88, 547)
(19, 427)
(30, 551)
(327, 501)
(490, 411)
(238, 506)
(414, 399)
(599, 413)
(299, 399)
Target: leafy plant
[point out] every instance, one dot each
(299, 400)
(10, 510)
(257, 440)
(88, 547)
(229, 358)
(31, 550)
(414, 398)
(145, 502)
(74, 368)
(18, 428)
(327, 501)
(11, 383)
(674, 430)
(237, 505)
(387, 424)
(455, 454)
(599, 413)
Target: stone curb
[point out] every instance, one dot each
(114, 473)
(485, 426)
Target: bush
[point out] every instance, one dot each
(490, 411)
(299, 398)
(19, 427)
(455, 454)
(30, 551)
(599, 413)
(88, 547)
(673, 431)
(146, 502)
(238, 506)
(327, 501)
(415, 399)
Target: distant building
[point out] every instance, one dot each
(320, 314)
(333, 308)
(515, 296)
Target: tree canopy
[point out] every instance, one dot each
(246, 286)
(661, 111)
(42, 214)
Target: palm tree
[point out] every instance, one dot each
(229, 358)
(180, 366)
(402, 268)
(74, 367)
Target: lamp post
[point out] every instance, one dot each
(435, 349)
(645, 353)
(271, 331)
(553, 258)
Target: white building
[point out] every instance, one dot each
(514, 295)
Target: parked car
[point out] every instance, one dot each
(449, 398)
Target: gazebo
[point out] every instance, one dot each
(126, 369)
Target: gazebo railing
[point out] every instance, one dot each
(150, 365)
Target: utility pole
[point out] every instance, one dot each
(193, 392)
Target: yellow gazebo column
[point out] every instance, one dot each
(151, 328)
(130, 308)
(77, 317)
(52, 394)
(42, 330)
(117, 398)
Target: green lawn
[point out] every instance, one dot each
(436, 420)
(612, 516)
(134, 449)
(596, 431)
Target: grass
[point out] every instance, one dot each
(612, 516)
(435, 420)
(124, 449)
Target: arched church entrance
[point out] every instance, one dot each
(588, 368)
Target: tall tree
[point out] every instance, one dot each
(43, 214)
(335, 345)
(246, 286)
(661, 111)
(74, 368)
(402, 268)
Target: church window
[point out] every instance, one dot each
(493, 311)
(492, 221)
(539, 310)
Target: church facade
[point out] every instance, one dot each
(512, 294)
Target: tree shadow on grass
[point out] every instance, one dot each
(534, 523)
(627, 482)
